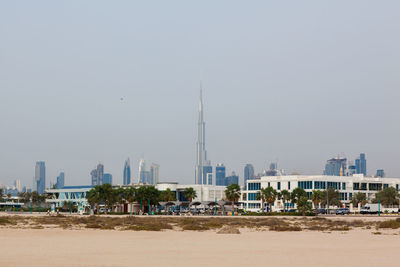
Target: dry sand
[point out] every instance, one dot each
(57, 247)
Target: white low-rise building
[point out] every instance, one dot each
(346, 185)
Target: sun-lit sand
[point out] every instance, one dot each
(57, 247)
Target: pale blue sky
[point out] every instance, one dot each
(295, 81)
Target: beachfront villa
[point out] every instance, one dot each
(346, 185)
(206, 194)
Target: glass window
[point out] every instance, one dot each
(279, 185)
(344, 186)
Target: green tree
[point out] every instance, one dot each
(267, 195)
(388, 196)
(303, 205)
(332, 196)
(357, 198)
(317, 197)
(120, 196)
(130, 194)
(232, 193)
(168, 196)
(1, 194)
(285, 196)
(297, 194)
(147, 195)
(94, 198)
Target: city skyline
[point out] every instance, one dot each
(300, 87)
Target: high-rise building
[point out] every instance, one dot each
(60, 180)
(248, 173)
(40, 177)
(97, 175)
(18, 185)
(361, 165)
(155, 173)
(335, 166)
(206, 171)
(209, 178)
(233, 179)
(380, 173)
(127, 172)
(220, 174)
(201, 157)
(107, 179)
(143, 175)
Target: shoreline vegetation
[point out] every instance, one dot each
(218, 224)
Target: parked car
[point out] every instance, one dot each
(322, 211)
(343, 211)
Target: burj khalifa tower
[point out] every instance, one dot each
(203, 172)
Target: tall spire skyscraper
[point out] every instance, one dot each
(202, 164)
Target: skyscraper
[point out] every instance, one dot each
(220, 174)
(233, 179)
(97, 175)
(201, 158)
(335, 166)
(143, 177)
(361, 165)
(248, 173)
(107, 179)
(18, 185)
(155, 173)
(380, 173)
(127, 172)
(40, 176)
(60, 180)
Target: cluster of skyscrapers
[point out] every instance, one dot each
(99, 177)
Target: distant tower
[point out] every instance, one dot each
(155, 173)
(220, 174)
(60, 180)
(97, 175)
(40, 176)
(248, 173)
(142, 171)
(127, 172)
(201, 159)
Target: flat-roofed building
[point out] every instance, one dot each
(346, 185)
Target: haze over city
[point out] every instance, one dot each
(100, 83)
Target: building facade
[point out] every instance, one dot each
(248, 173)
(60, 180)
(40, 176)
(346, 185)
(336, 167)
(220, 174)
(202, 163)
(127, 172)
(107, 179)
(155, 173)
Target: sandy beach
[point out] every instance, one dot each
(58, 247)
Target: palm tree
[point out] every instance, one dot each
(130, 194)
(297, 194)
(232, 193)
(1, 194)
(303, 205)
(388, 196)
(331, 197)
(358, 198)
(168, 196)
(317, 196)
(94, 198)
(190, 194)
(268, 195)
(119, 196)
(285, 195)
(147, 195)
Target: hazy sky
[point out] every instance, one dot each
(293, 81)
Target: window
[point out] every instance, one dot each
(319, 185)
(374, 187)
(385, 185)
(363, 186)
(244, 196)
(397, 187)
(254, 186)
(269, 184)
(253, 196)
(288, 185)
(334, 185)
(350, 196)
(344, 186)
(356, 186)
(305, 184)
(254, 205)
(279, 185)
